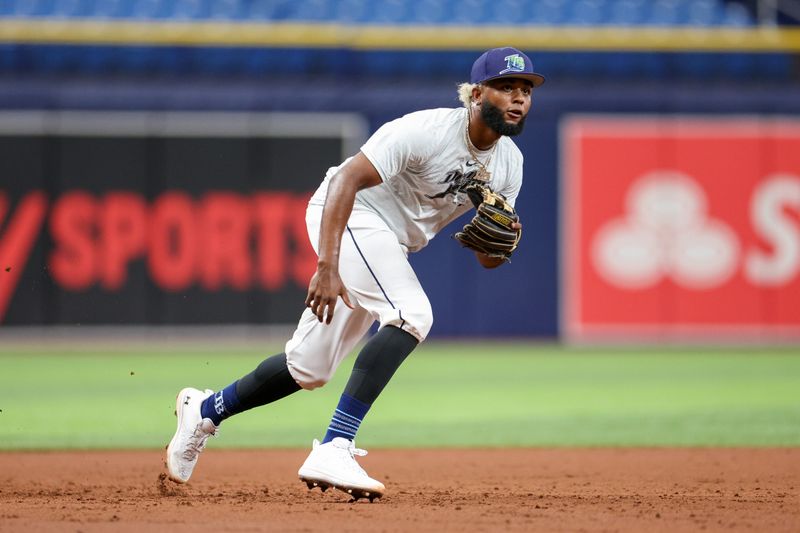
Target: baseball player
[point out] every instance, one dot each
(414, 175)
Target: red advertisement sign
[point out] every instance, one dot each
(680, 228)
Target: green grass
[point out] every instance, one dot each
(444, 395)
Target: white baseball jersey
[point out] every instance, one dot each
(423, 160)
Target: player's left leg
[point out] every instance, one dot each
(332, 463)
(374, 268)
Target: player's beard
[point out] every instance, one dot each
(493, 117)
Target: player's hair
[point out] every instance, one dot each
(465, 93)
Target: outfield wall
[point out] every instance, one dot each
(87, 239)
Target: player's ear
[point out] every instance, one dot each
(476, 94)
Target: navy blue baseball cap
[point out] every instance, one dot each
(504, 62)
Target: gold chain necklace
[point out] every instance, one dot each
(483, 173)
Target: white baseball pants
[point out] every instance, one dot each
(382, 286)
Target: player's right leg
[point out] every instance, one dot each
(309, 360)
(199, 413)
(190, 436)
(315, 351)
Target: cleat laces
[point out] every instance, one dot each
(353, 464)
(196, 443)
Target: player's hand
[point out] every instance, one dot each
(325, 288)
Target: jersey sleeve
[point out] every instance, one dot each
(398, 145)
(514, 183)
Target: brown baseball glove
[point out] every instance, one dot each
(490, 231)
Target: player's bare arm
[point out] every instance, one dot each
(326, 286)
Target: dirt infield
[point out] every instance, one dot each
(431, 490)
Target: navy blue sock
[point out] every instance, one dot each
(221, 405)
(346, 419)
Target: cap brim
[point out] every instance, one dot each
(534, 78)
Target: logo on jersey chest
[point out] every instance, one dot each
(454, 182)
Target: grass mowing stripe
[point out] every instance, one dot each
(444, 395)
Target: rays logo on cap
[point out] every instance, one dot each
(506, 62)
(514, 63)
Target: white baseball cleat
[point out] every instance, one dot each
(191, 436)
(333, 464)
